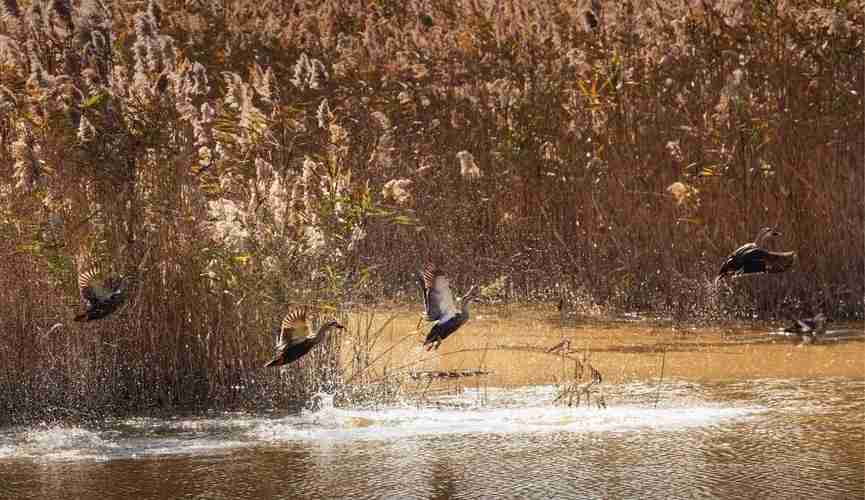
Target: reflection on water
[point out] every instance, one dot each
(774, 437)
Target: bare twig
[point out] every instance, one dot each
(661, 378)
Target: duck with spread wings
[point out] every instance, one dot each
(295, 337)
(440, 307)
(102, 295)
(752, 258)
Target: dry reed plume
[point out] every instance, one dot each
(257, 154)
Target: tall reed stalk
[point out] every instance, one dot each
(264, 154)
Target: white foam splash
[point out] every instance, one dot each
(57, 443)
(400, 423)
(504, 411)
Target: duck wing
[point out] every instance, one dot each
(92, 287)
(438, 298)
(751, 259)
(735, 261)
(293, 330)
(294, 338)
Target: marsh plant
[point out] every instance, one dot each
(248, 155)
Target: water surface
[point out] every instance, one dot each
(723, 412)
(780, 438)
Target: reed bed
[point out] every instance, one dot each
(243, 156)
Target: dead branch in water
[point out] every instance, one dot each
(500, 347)
(563, 346)
(447, 374)
(575, 389)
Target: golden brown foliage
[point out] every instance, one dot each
(245, 155)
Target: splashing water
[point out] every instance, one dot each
(703, 441)
(525, 410)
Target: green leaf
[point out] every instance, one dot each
(93, 101)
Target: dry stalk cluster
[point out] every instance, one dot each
(265, 153)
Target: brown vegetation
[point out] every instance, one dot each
(248, 155)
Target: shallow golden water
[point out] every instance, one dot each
(512, 345)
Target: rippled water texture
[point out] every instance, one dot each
(775, 438)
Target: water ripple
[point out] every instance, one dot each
(775, 438)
